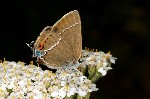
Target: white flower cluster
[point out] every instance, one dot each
(20, 81)
(101, 60)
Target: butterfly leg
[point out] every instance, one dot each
(40, 58)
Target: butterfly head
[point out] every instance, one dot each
(36, 52)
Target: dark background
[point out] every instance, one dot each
(119, 26)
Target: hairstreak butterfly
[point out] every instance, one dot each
(60, 44)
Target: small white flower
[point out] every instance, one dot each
(71, 92)
(93, 88)
(54, 94)
(105, 64)
(38, 96)
(21, 83)
(82, 93)
(62, 93)
(101, 70)
(104, 70)
(63, 83)
(113, 59)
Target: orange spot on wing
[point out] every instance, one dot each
(41, 46)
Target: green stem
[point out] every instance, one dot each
(96, 77)
(91, 71)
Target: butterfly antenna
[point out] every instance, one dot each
(30, 44)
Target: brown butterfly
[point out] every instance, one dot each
(61, 43)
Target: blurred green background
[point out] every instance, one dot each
(119, 26)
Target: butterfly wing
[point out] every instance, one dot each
(63, 41)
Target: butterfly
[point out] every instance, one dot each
(60, 44)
